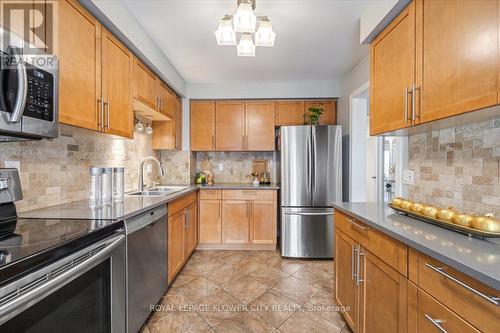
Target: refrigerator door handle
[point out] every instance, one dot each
(309, 164)
(308, 213)
(313, 162)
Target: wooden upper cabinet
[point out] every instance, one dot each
(329, 115)
(78, 49)
(230, 125)
(380, 281)
(202, 123)
(168, 134)
(290, 113)
(145, 85)
(166, 99)
(259, 125)
(346, 292)
(117, 71)
(235, 221)
(393, 74)
(178, 122)
(458, 45)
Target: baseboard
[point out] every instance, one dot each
(266, 247)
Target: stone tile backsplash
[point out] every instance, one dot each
(178, 166)
(237, 165)
(56, 171)
(458, 167)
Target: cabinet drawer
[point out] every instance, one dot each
(210, 194)
(432, 317)
(254, 195)
(384, 247)
(184, 201)
(447, 286)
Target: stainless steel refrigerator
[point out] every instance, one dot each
(311, 179)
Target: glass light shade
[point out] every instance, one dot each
(244, 20)
(139, 127)
(246, 47)
(149, 129)
(265, 35)
(225, 34)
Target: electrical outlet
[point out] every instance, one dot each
(221, 167)
(409, 177)
(13, 164)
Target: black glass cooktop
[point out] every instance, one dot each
(25, 244)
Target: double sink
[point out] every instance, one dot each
(158, 191)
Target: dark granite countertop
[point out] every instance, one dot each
(477, 258)
(239, 186)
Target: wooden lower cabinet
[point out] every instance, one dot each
(175, 244)
(182, 232)
(383, 297)
(238, 219)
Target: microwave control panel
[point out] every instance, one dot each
(40, 97)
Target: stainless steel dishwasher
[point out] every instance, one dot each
(147, 264)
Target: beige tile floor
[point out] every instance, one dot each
(249, 291)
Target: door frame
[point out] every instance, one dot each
(380, 147)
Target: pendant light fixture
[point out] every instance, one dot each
(244, 23)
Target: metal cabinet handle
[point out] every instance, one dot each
(357, 225)
(108, 107)
(358, 264)
(436, 322)
(99, 115)
(405, 101)
(353, 262)
(414, 115)
(492, 299)
(103, 126)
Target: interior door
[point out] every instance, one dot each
(117, 64)
(202, 124)
(259, 125)
(78, 48)
(296, 172)
(379, 281)
(230, 126)
(326, 165)
(393, 74)
(235, 222)
(345, 287)
(458, 46)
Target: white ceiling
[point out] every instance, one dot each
(317, 40)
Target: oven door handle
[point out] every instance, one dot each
(29, 294)
(22, 88)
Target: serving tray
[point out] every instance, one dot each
(448, 225)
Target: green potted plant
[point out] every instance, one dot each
(312, 115)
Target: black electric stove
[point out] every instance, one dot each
(26, 244)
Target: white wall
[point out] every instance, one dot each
(358, 76)
(264, 90)
(116, 13)
(371, 19)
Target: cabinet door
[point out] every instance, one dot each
(165, 99)
(175, 244)
(458, 45)
(392, 73)
(144, 85)
(202, 122)
(229, 122)
(117, 64)
(329, 115)
(235, 222)
(290, 113)
(346, 292)
(210, 221)
(381, 282)
(78, 48)
(191, 230)
(259, 125)
(263, 222)
(178, 122)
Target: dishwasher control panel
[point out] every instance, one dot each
(145, 219)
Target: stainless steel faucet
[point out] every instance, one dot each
(141, 170)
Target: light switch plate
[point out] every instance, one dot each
(221, 167)
(409, 177)
(13, 164)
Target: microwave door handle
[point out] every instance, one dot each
(22, 90)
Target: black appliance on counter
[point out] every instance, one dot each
(59, 275)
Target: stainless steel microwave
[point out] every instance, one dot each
(28, 91)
